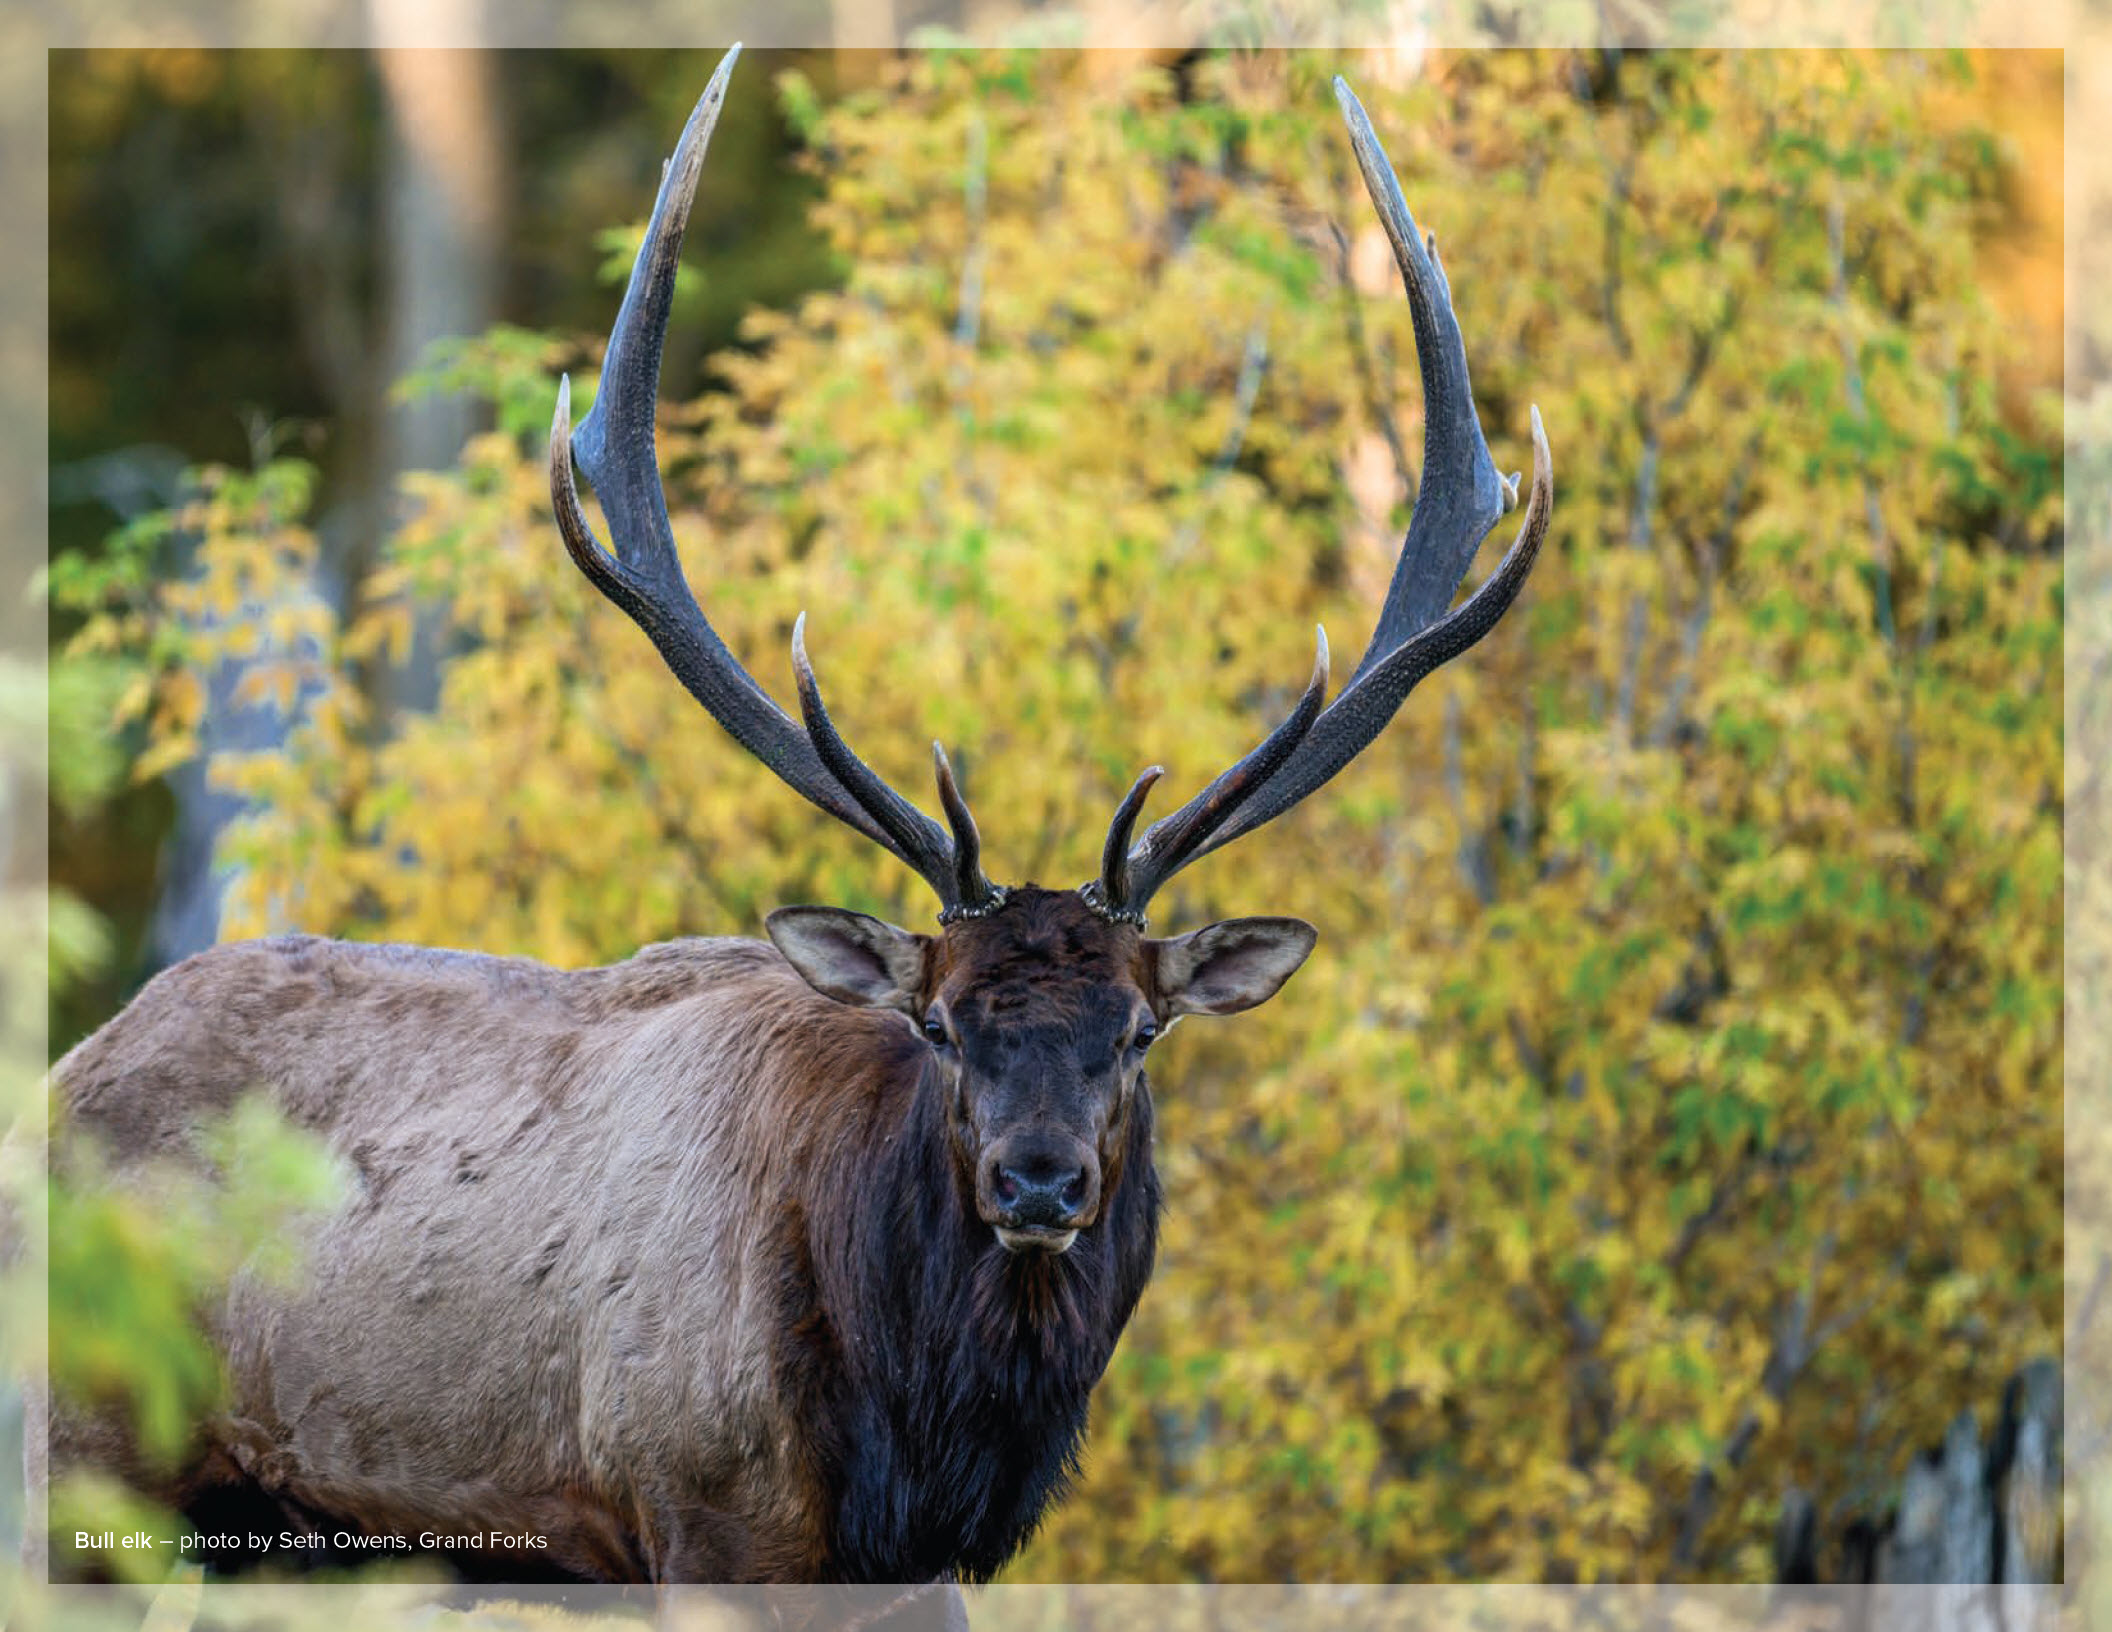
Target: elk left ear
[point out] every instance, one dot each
(851, 957)
(1231, 966)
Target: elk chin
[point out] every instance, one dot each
(1035, 1239)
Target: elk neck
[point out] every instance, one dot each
(962, 1371)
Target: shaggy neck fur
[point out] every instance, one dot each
(964, 1370)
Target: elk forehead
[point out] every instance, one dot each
(1040, 947)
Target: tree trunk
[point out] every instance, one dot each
(442, 216)
(442, 210)
(1976, 1528)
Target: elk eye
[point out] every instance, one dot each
(935, 1031)
(1146, 1033)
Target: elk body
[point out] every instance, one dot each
(742, 1261)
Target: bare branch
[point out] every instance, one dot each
(1721, 1196)
(1522, 812)
(1701, 348)
(1619, 178)
(1713, 551)
(1858, 405)
(1642, 532)
(1253, 363)
(968, 306)
(1473, 844)
(968, 309)
(1632, 632)
(1791, 1353)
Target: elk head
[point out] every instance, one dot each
(1039, 1005)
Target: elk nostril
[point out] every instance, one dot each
(1041, 1193)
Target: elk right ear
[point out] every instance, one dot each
(851, 957)
(1230, 966)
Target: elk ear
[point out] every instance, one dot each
(1231, 966)
(851, 957)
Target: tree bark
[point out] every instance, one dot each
(1977, 1525)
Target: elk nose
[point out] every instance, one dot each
(1043, 1191)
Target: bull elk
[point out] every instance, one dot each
(787, 1262)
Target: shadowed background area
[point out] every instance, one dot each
(1667, 1127)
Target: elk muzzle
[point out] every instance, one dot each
(1038, 1192)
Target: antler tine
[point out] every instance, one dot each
(1372, 697)
(1461, 497)
(1112, 892)
(1169, 843)
(911, 834)
(975, 894)
(615, 446)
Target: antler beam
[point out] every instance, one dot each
(615, 446)
(1460, 500)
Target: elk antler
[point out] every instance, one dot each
(1460, 500)
(614, 446)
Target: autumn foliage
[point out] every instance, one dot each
(1671, 1113)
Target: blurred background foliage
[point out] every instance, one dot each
(1670, 1118)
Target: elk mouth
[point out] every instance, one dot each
(1025, 1238)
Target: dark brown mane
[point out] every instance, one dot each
(961, 1413)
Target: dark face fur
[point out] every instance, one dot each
(1038, 1017)
(1039, 1023)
